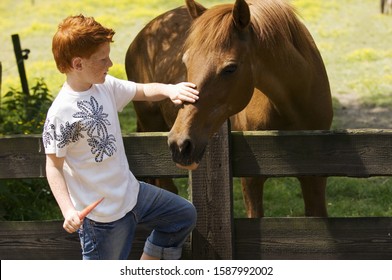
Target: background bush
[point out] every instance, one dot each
(25, 114)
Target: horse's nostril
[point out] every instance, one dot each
(186, 147)
(182, 150)
(180, 147)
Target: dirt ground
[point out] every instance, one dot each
(352, 114)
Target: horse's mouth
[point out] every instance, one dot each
(190, 167)
(187, 161)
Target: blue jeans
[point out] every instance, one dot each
(171, 217)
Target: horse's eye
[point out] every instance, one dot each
(229, 69)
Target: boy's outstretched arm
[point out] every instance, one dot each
(178, 93)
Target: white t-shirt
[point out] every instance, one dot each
(84, 128)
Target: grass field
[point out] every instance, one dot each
(353, 38)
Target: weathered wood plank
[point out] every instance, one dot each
(37, 240)
(354, 153)
(21, 157)
(148, 156)
(212, 195)
(267, 238)
(314, 238)
(47, 240)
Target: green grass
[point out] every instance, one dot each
(353, 38)
(346, 197)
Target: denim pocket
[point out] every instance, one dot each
(88, 240)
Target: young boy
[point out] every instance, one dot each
(85, 154)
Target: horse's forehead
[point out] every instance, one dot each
(212, 30)
(214, 52)
(212, 45)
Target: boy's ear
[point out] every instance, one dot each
(77, 63)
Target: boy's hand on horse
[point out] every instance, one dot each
(183, 92)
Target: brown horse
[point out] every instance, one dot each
(253, 62)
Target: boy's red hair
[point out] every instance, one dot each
(78, 36)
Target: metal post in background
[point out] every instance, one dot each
(20, 56)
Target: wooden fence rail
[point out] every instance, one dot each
(354, 153)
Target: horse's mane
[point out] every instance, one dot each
(203, 29)
(274, 24)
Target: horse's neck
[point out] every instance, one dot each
(281, 77)
(297, 88)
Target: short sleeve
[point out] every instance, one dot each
(123, 91)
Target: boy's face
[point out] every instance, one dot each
(95, 68)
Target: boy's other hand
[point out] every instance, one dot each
(71, 221)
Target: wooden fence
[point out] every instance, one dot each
(354, 153)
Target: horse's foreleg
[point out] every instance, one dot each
(313, 191)
(164, 183)
(252, 190)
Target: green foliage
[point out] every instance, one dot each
(27, 200)
(23, 113)
(128, 119)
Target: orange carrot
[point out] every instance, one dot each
(89, 208)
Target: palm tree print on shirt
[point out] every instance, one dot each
(68, 133)
(92, 117)
(93, 121)
(101, 146)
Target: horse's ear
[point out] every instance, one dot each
(241, 14)
(195, 9)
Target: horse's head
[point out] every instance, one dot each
(217, 56)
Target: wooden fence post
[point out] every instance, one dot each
(212, 194)
(20, 56)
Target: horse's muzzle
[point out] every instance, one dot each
(184, 153)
